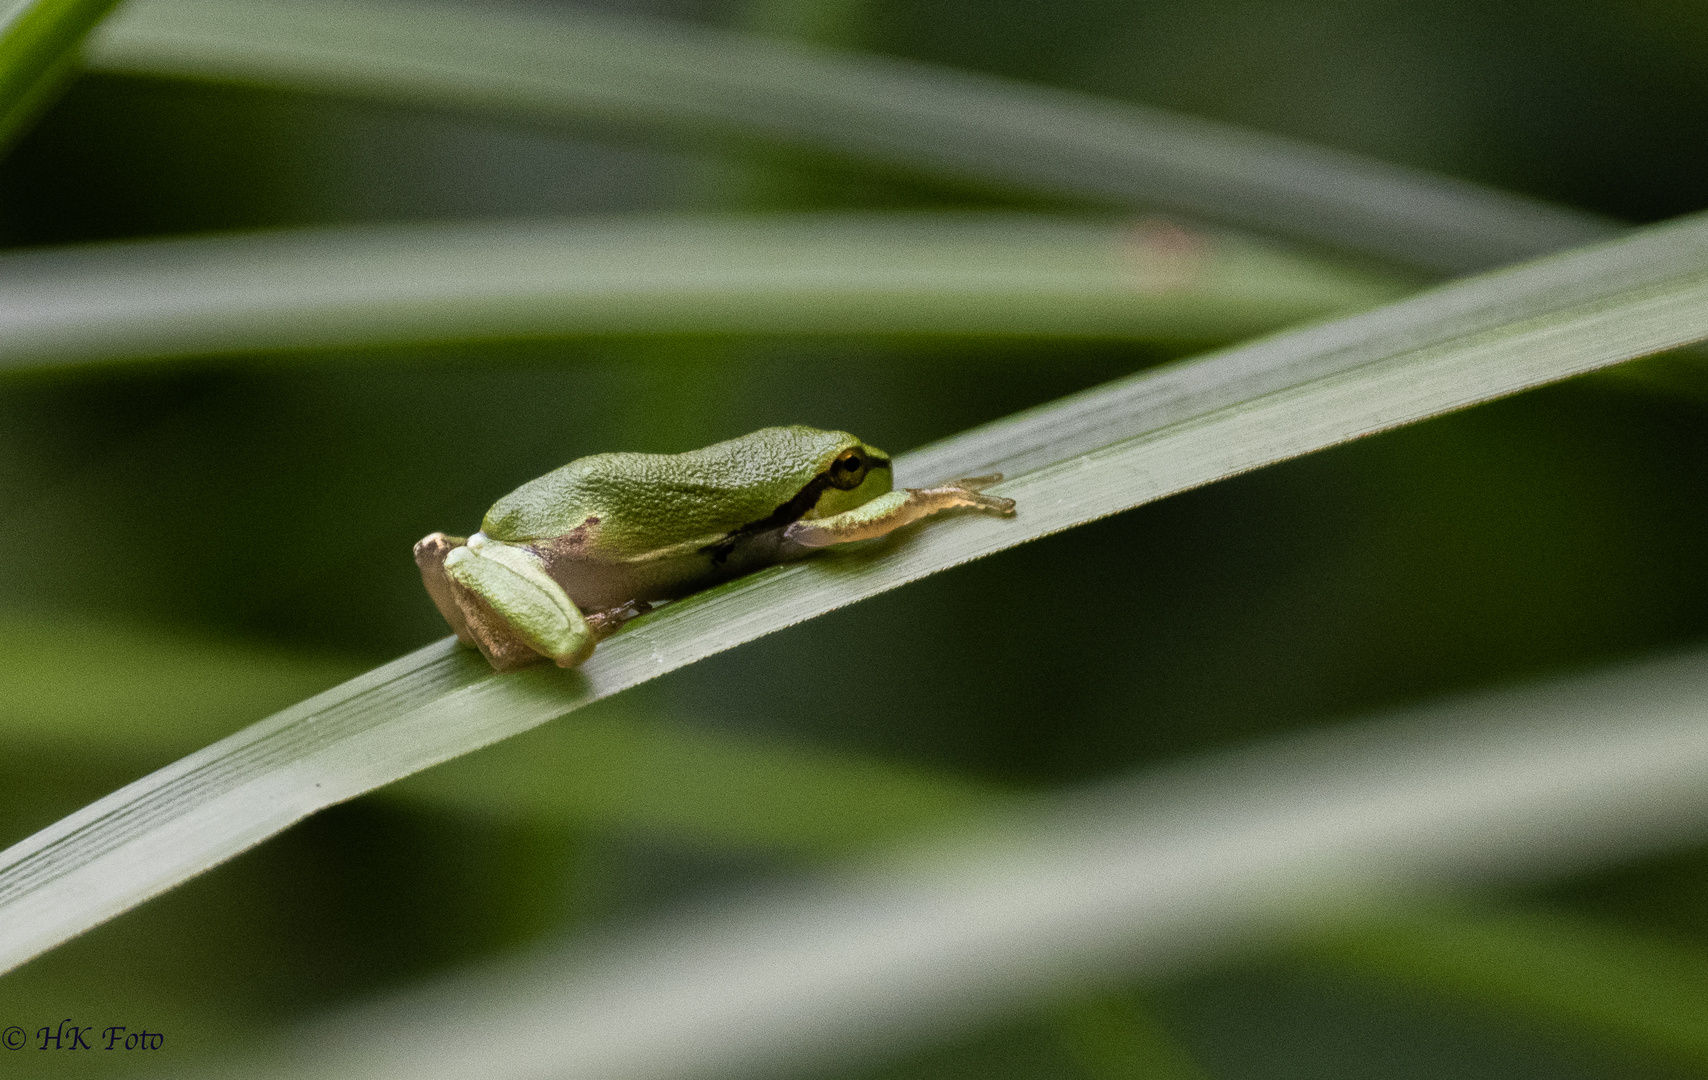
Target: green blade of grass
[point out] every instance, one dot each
(572, 65)
(1095, 454)
(995, 274)
(39, 42)
(615, 771)
(1132, 879)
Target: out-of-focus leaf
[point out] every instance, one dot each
(1135, 878)
(1087, 456)
(925, 274)
(39, 41)
(585, 66)
(1597, 979)
(623, 773)
(118, 689)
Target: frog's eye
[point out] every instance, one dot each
(847, 470)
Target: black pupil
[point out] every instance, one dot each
(850, 463)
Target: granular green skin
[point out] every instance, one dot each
(625, 507)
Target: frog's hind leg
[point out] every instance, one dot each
(476, 624)
(888, 512)
(500, 603)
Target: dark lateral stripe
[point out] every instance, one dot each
(789, 512)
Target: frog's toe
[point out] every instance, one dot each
(967, 492)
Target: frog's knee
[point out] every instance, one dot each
(532, 606)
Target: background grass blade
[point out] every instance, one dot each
(1135, 877)
(581, 66)
(924, 274)
(39, 42)
(1135, 441)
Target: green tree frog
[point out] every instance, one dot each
(564, 560)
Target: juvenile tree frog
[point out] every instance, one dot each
(564, 560)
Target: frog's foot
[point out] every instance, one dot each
(430, 552)
(476, 623)
(886, 513)
(505, 604)
(608, 622)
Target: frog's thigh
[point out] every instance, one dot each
(515, 588)
(891, 511)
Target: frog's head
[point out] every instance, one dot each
(851, 473)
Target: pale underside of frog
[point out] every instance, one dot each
(566, 559)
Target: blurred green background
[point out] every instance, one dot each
(213, 540)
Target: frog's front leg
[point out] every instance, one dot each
(499, 598)
(891, 511)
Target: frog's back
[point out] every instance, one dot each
(648, 502)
